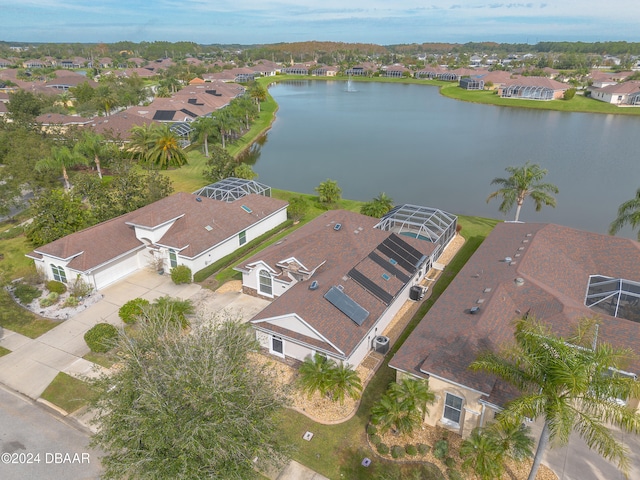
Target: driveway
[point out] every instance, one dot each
(34, 363)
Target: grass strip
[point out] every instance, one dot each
(68, 392)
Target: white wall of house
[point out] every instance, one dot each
(613, 98)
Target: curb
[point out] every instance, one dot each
(52, 406)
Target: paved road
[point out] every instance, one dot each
(56, 449)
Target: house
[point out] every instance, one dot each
(363, 70)
(626, 93)
(337, 282)
(474, 83)
(182, 229)
(325, 71)
(395, 71)
(297, 69)
(556, 274)
(532, 88)
(4, 63)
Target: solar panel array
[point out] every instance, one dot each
(389, 267)
(164, 115)
(371, 286)
(346, 305)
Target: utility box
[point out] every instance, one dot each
(381, 344)
(416, 293)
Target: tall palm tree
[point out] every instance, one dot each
(227, 122)
(523, 182)
(628, 214)
(62, 158)
(571, 383)
(93, 145)
(343, 382)
(166, 150)
(205, 127)
(258, 93)
(141, 142)
(416, 392)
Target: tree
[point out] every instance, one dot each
(93, 146)
(483, 454)
(297, 208)
(378, 207)
(344, 382)
(572, 383)
(55, 214)
(329, 191)
(524, 181)
(258, 93)
(166, 150)
(141, 142)
(105, 99)
(226, 123)
(628, 214)
(244, 171)
(389, 413)
(24, 106)
(204, 128)
(415, 392)
(220, 165)
(187, 406)
(62, 158)
(314, 375)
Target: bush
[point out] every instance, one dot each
(71, 301)
(101, 337)
(450, 462)
(55, 286)
(35, 276)
(397, 451)
(411, 450)
(441, 449)
(569, 94)
(454, 474)
(297, 208)
(49, 299)
(26, 293)
(374, 439)
(372, 429)
(130, 311)
(12, 233)
(423, 449)
(382, 449)
(80, 288)
(181, 274)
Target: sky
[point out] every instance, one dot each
(383, 22)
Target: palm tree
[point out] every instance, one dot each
(105, 98)
(314, 375)
(93, 145)
(628, 213)
(204, 128)
(166, 150)
(258, 93)
(344, 381)
(62, 158)
(378, 207)
(571, 383)
(483, 454)
(401, 416)
(227, 123)
(141, 142)
(524, 181)
(416, 392)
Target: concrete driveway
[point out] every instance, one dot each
(34, 363)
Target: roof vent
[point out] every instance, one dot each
(340, 287)
(337, 226)
(487, 290)
(519, 281)
(480, 301)
(474, 310)
(314, 285)
(198, 199)
(208, 228)
(507, 259)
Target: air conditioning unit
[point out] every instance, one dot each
(416, 293)
(381, 344)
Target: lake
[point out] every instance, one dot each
(421, 148)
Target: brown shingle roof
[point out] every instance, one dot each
(555, 263)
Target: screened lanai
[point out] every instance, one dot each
(423, 223)
(615, 297)
(233, 188)
(529, 92)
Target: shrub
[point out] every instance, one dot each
(71, 301)
(382, 448)
(181, 274)
(441, 449)
(411, 450)
(372, 429)
(26, 293)
(397, 451)
(297, 208)
(454, 474)
(374, 439)
(450, 462)
(49, 299)
(55, 286)
(569, 94)
(175, 309)
(12, 233)
(35, 276)
(80, 288)
(423, 449)
(101, 337)
(130, 311)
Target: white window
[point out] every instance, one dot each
(59, 274)
(173, 259)
(242, 238)
(277, 346)
(266, 283)
(452, 409)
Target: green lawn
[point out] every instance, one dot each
(20, 320)
(335, 449)
(13, 262)
(579, 103)
(105, 360)
(68, 392)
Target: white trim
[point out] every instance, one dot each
(271, 350)
(454, 383)
(448, 421)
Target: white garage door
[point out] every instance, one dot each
(121, 269)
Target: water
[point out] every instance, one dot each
(419, 147)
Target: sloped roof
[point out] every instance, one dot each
(554, 262)
(625, 88)
(333, 253)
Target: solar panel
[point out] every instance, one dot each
(164, 115)
(371, 286)
(246, 209)
(405, 246)
(188, 112)
(346, 305)
(389, 266)
(389, 252)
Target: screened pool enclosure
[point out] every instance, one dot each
(233, 188)
(615, 297)
(424, 223)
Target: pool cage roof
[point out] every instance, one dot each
(526, 91)
(426, 223)
(233, 188)
(615, 297)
